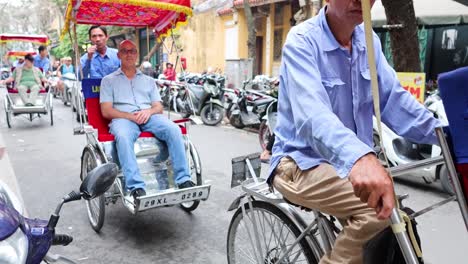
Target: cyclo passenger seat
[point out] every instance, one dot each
(454, 92)
(91, 88)
(15, 91)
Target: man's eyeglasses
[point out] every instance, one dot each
(128, 51)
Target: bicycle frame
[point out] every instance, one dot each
(257, 188)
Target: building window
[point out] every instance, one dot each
(278, 32)
(277, 44)
(278, 14)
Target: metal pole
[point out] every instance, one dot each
(452, 173)
(403, 240)
(147, 41)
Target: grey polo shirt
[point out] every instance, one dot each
(129, 95)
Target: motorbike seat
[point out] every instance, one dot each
(263, 101)
(95, 117)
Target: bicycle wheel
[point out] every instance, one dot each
(94, 207)
(276, 234)
(196, 178)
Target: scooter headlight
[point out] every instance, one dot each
(14, 249)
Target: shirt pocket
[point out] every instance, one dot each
(332, 85)
(365, 91)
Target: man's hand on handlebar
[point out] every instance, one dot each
(372, 184)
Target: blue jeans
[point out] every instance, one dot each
(126, 132)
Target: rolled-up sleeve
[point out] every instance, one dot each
(155, 96)
(400, 110)
(314, 119)
(85, 65)
(106, 93)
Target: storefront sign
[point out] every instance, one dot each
(414, 82)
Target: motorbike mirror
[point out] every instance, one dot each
(99, 180)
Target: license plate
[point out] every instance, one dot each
(174, 197)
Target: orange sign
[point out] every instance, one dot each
(414, 82)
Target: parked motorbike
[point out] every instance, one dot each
(204, 100)
(249, 108)
(265, 131)
(27, 241)
(52, 81)
(264, 83)
(402, 151)
(230, 96)
(69, 81)
(5, 73)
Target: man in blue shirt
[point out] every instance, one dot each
(41, 60)
(99, 60)
(130, 99)
(323, 155)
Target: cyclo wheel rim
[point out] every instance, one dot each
(92, 206)
(273, 226)
(193, 174)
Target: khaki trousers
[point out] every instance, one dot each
(23, 93)
(320, 188)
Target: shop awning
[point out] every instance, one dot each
(428, 12)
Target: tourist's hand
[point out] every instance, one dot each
(91, 51)
(143, 116)
(372, 184)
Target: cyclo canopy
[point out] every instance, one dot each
(20, 53)
(37, 39)
(160, 15)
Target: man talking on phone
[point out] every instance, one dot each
(99, 60)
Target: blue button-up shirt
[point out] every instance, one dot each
(129, 95)
(325, 105)
(100, 66)
(42, 63)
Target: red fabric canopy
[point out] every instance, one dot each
(159, 15)
(38, 39)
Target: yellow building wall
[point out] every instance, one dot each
(202, 42)
(243, 34)
(203, 39)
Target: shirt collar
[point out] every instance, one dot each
(120, 72)
(328, 39)
(97, 54)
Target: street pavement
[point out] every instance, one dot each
(46, 161)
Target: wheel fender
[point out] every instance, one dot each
(235, 112)
(236, 203)
(92, 149)
(194, 152)
(215, 101)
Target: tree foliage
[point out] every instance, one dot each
(65, 48)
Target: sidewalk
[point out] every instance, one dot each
(7, 174)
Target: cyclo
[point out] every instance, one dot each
(266, 228)
(152, 154)
(13, 105)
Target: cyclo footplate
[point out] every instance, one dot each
(175, 196)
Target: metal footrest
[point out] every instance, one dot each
(174, 196)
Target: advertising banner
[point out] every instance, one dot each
(414, 82)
